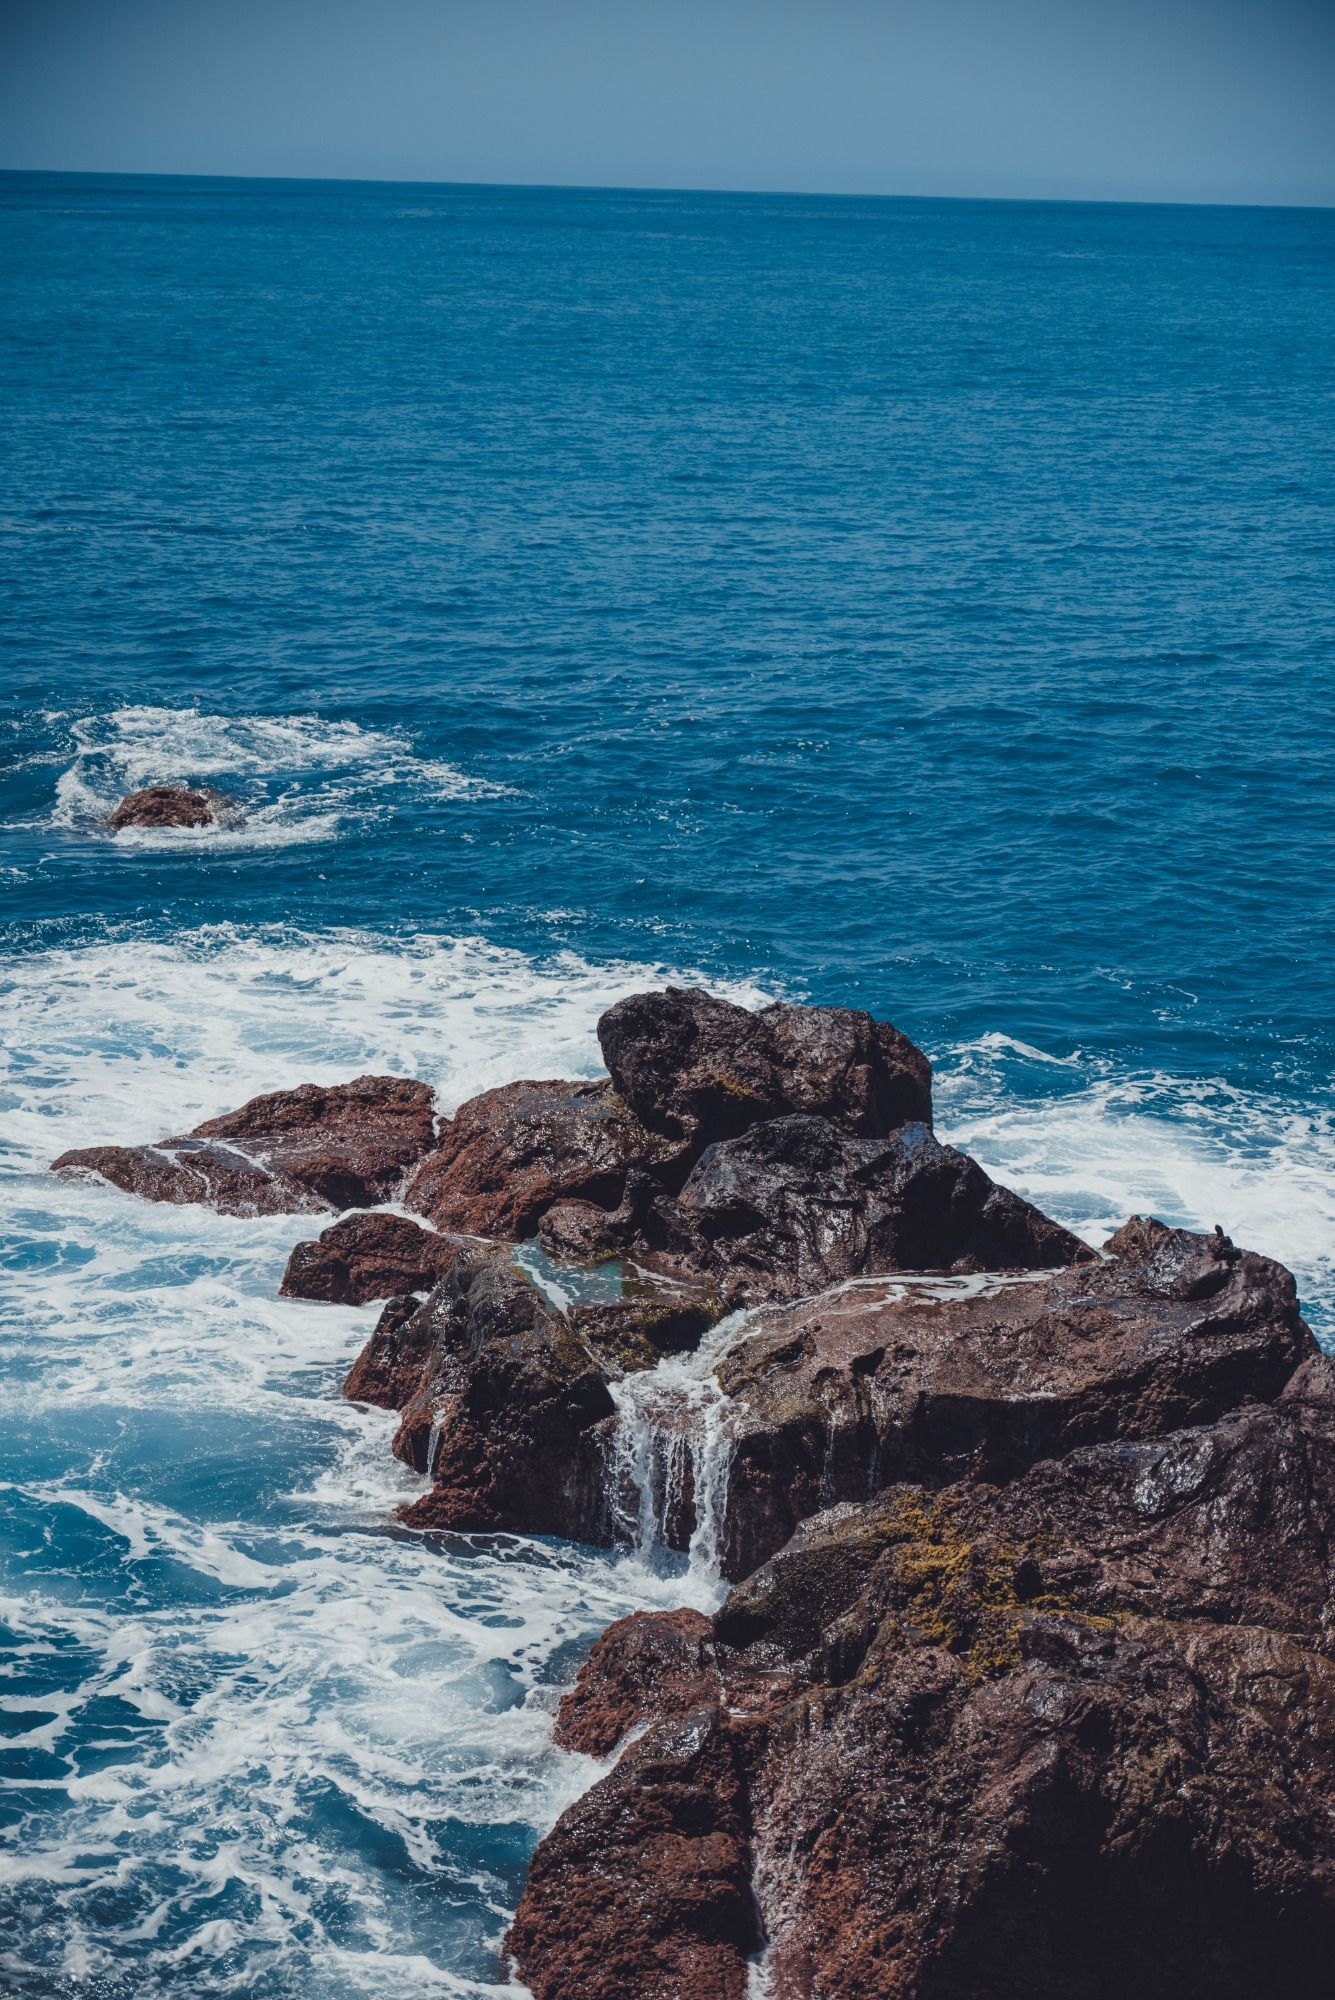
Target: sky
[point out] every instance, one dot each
(1179, 100)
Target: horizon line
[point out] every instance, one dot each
(600, 187)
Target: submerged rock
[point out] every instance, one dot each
(169, 805)
(1075, 1735)
(369, 1255)
(700, 1067)
(293, 1152)
(795, 1205)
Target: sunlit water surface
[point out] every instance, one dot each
(920, 606)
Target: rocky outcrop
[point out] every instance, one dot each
(696, 1066)
(795, 1204)
(1073, 1735)
(686, 1069)
(293, 1152)
(388, 1371)
(369, 1255)
(505, 1400)
(512, 1398)
(169, 805)
(507, 1156)
(866, 1385)
(878, 1382)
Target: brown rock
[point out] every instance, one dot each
(292, 1152)
(168, 805)
(388, 1371)
(702, 1068)
(643, 1887)
(984, 1743)
(652, 1663)
(508, 1156)
(795, 1205)
(513, 1398)
(369, 1255)
(873, 1383)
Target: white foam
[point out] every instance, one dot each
(1099, 1144)
(305, 1652)
(297, 778)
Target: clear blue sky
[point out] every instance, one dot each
(1194, 100)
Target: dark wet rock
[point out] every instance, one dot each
(637, 1331)
(388, 1371)
(508, 1156)
(1071, 1736)
(513, 1399)
(169, 805)
(874, 1383)
(648, 1664)
(693, 1065)
(292, 1152)
(579, 1232)
(644, 1886)
(369, 1255)
(864, 1386)
(795, 1205)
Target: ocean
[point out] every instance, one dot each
(921, 606)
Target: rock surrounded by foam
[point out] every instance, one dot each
(1069, 1735)
(291, 1152)
(168, 805)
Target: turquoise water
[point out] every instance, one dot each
(919, 605)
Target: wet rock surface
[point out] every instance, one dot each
(292, 1152)
(170, 805)
(369, 1255)
(388, 1371)
(795, 1204)
(508, 1156)
(1070, 1736)
(700, 1067)
(505, 1409)
(881, 1381)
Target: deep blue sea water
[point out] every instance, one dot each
(921, 605)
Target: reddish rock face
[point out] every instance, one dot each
(982, 1744)
(872, 1383)
(698, 1066)
(864, 1386)
(370, 1255)
(293, 1152)
(644, 1886)
(388, 1370)
(514, 1398)
(795, 1205)
(508, 1156)
(167, 805)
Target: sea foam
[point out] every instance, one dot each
(295, 779)
(268, 1744)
